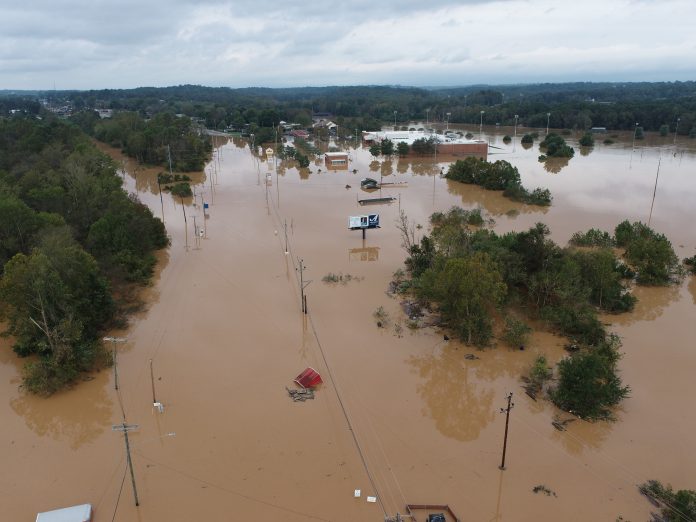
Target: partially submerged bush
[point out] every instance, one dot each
(651, 254)
(516, 332)
(589, 385)
(677, 506)
(593, 237)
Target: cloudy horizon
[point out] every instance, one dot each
(73, 45)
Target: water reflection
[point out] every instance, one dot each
(76, 416)
(652, 302)
(692, 288)
(454, 395)
(555, 165)
(581, 435)
(363, 254)
(585, 151)
(493, 201)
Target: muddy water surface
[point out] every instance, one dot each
(226, 335)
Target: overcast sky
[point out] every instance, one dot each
(75, 44)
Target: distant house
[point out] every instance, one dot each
(299, 133)
(598, 130)
(336, 160)
(105, 113)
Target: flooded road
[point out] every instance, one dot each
(224, 329)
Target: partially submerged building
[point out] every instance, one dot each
(336, 160)
(450, 144)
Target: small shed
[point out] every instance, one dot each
(336, 159)
(309, 378)
(82, 513)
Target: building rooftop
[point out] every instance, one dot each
(409, 137)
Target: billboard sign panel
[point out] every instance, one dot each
(365, 221)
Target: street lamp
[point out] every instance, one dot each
(515, 135)
(548, 119)
(427, 117)
(675, 131)
(448, 117)
(394, 118)
(481, 125)
(633, 147)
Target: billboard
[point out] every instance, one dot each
(367, 221)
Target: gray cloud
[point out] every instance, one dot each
(266, 42)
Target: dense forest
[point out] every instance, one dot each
(72, 244)
(616, 106)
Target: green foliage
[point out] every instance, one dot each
(527, 139)
(690, 263)
(608, 141)
(423, 146)
(588, 384)
(65, 227)
(402, 148)
(386, 147)
(467, 291)
(592, 238)
(587, 140)
(650, 254)
(153, 141)
(639, 134)
(676, 506)
(181, 190)
(664, 130)
(516, 332)
(499, 175)
(507, 139)
(539, 373)
(375, 149)
(602, 273)
(556, 147)
(302, 160)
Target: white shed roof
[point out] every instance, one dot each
(82, 513)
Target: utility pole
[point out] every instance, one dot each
(113, 341)
(155, 402)
(657, 176)
(510, 405)
(125, 428)
(514, 140)
(303, 284)
(159, 186)
(675, 131)
(286, 237)
(196, 239)
(183, 208)
(169, 157)
(205, 218)
(548, 120)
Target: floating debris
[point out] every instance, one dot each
(543, 489)
(300, 395)
(560, 424)
(471, 357)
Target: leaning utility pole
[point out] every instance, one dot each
(510, 405)
(303, 285)
(113, 341)
(125, 428)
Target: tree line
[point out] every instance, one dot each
(73, 245)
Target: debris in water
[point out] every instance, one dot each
(347, 186)
(300, 395)
(372, 500)
(357, 493)
(543, 489)
(309, 378)
(471, 357)
(560, 424)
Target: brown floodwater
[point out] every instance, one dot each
(224, 329)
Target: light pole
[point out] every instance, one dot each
(481, 126)
(448, 117)
(675, 131)
(427, 117)
(514, 142)
(548, 120)
(635, 131)
(394, 118)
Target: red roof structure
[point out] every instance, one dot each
(309, 378)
